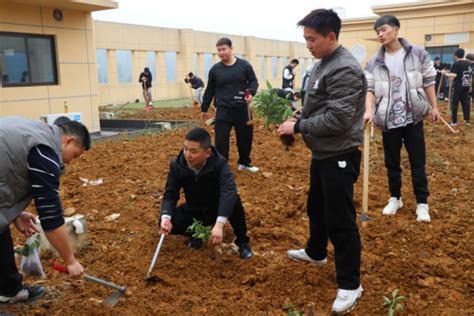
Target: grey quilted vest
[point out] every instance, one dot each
(17, 137)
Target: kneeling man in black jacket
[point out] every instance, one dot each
(210, 192)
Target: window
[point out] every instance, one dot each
(284, 62)
(150, 63)
(124, 66)
(275, 67)
(302, 67)
(445, 53)
(196, 64)
(101, 56)
(170, 60)
(27, 60)
(207, 65)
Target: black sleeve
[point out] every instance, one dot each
(455, 69)
(171, 195)
(251, 79)
(210, 91)
(44, 171)
(140, 77)
(227, 191)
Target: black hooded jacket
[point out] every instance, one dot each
(213, 188)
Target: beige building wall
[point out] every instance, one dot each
(141, 39)
(428, 24)
(75, 57)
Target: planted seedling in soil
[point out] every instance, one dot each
(393, 305)
(199, 231)
(291, 310)
(274, 110)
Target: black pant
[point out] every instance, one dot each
(332, 215)
(238, 119)
(414, 139)
(183, 218)
(10, 279)
(463, 96)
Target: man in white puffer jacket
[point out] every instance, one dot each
(401, 80)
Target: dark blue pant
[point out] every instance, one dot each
(10, 279)
(463, 96)
(412, 136)
(332, 215)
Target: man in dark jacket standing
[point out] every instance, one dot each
(145, 79)
(332, 127)
(31, 161)
(232, 84)
(288, 76)
(210, 192)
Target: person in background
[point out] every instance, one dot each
(439, 67)
(145, 80)
(288, 78)
(304, 84)
(197, 84)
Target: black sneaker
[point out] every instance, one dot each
(245, 252)
(26, 294)
(195, 243)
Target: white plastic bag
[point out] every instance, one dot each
(30, 261)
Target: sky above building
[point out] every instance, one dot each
(275, 19)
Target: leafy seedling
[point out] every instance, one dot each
(272, 108)
(291, 310)
(393, 305)
(27, 248)
(199, 231)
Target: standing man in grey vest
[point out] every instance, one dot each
(32, 154)
(332, 127)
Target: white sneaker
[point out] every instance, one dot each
(392, 207)
(346, 300)
(248, 168)
(422, 214)
(300, 254)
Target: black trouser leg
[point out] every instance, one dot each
(181, 220)
(10, 279)
(238, 223)
(392, 145)
(244, 135)
(336, 178)
(454, 106)
(222, 135)
(316, 246)
(414, 140)
(466, 105)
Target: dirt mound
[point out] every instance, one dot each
(430, 263)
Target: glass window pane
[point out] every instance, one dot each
(41, 60)
(170, 60)
(124, 65)
(101, 56)
(207, 65)
(284, 62)
(14, 60)
(275, 67)
(150, 63)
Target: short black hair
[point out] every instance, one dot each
(294, 61)
(61, 120)
(459, 53)
(190, 74)
(146, 69)
(470, 57)
(224, 41)
(297, 94)
(387, 19)
(79, 131)
(199, 135)
(437, 58)
(322, 21)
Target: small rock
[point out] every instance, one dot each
(69, 211)
(454, 190)
(267, 174)
(112, 217)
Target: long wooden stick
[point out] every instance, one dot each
(440, 84)
(365, 184)
(447, 124)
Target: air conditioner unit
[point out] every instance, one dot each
(50, 118)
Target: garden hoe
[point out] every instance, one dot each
(110, 301)
(154, 279)
(195, 102)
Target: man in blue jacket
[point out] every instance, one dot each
(210, 191)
